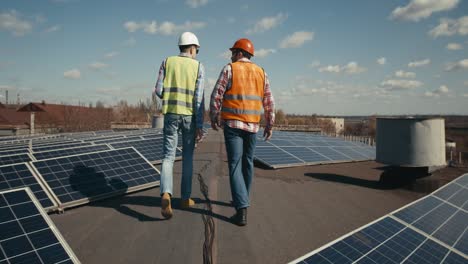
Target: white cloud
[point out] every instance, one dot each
(261, 53)
(459, 65)
(330, 68)
(11, 21)
(72, 74)
(442, 90)
(98, 65)
(350, 68)
(450, 27)
(267, 23)
(419, 9)
(454, 46)
(196, 3)
(403, 74)
(382, 60)
(131, 26)
(419, 63)
(465, 95)
(297, 39)
(111, 54)
(164, 28)
(353, 68)
(397, 84)
(466, 83)
(52, 29)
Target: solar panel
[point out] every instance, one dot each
(68, 151)
(61, 146)
(16, 158)
(151, 149)
(27, 235)
(115, 140)
(308, 149)
(432, 229)
(79, 178)
(18, 176)
(14, 152)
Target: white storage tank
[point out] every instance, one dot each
(411, 142)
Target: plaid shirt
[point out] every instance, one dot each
(199, 97)
(223, 84)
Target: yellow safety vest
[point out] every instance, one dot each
(179, 85)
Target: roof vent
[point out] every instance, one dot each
(411, 142)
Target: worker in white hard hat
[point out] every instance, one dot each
(180, 85)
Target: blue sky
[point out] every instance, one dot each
(322, 57)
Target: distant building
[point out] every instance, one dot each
(52, 118)
(12, 122)
(338, 122)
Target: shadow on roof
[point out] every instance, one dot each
(390, 178)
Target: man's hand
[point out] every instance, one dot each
(199, 135)
(267, 133)
(215, 123)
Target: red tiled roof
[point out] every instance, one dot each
(10, 118)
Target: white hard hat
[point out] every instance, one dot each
(188, 38)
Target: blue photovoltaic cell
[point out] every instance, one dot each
(437, 232)
(18, 176)
(305, 154)
(69, 151)
(14, 151)
(12, 159)
(435, 218)
(25, 235)
(151, 149)
(96, 174)
(61, 146)
(351, 152)
(462, 243)
(463, 181)
(274, 156)
(448, 191)
(429, 252)
(451, 231)
(418, 209)
(331, 153)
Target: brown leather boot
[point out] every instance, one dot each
(166, 210)
(240, 217)
(187, 203)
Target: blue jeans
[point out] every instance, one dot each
(172, 124)
(240, 146)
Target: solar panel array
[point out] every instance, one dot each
(65, 170)
(287, 149)
(27, 235)
(79, 178)
(434, 229)
(151, 149)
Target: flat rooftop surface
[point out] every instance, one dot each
(293, 211)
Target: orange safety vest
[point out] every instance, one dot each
(243, 101)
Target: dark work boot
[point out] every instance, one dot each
(240, 217)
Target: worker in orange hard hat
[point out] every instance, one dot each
(180, 85)
(236, 102)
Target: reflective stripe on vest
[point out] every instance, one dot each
(179, 85)
(243, 101)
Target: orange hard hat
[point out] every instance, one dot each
(244, 44)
